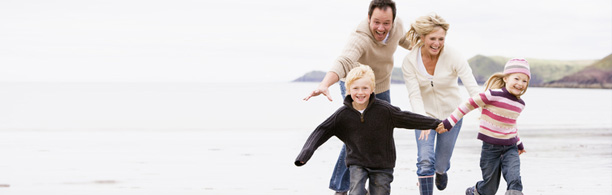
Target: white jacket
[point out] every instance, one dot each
(439, 97)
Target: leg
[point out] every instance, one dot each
(359, 175)
(425, 161)
(511, 170)
(444, 150)
(380, 181)
(445, 144)
(386, 96)
(340, 179)
(490, 164)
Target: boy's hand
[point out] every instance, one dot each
(440, 129)
(522, 151)
(319, 91)
(424, 135)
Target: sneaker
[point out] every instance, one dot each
(469, 191)
(340, 193)
(441, 181)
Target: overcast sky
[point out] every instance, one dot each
(265, 41)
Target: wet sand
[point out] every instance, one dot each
(561, 161)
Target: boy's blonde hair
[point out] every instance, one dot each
(360, 72)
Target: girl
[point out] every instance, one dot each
(501, 105)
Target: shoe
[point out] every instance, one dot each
(340, 193)
(469, 191)
(441, 181)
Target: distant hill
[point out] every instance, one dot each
(544, 73)
(312, 76)
(597, 75)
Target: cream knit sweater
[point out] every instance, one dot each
(439, 97)
(362, 48)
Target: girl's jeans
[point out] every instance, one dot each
(340, 179)
(436, 159)
(497, 160)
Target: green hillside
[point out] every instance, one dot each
(598, 75)
(542, 71)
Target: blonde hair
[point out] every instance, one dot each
(422, 26)
(360, 72)
(496, 81)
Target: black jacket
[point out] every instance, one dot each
(368, 136)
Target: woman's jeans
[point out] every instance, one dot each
(436, 159)
(380, 180)
(497, 160)
(340, 179)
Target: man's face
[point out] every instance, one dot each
(381, 21)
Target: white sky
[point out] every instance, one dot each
(265, 41)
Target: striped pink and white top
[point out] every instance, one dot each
(500, 109)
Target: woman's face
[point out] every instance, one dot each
(434, 41)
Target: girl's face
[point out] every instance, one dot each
(516, 83)
(434, 41)
(360, 91)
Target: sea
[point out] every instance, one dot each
(238, 106)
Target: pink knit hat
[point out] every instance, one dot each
(517, 65)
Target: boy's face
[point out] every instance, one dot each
(360, 91)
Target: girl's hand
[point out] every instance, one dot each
(440, 129)
(522, 151)
(424, 135)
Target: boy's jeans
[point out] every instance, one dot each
(429, 160)
(340, 179)
(496, 160)
(379, 180)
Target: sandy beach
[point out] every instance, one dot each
(261, 162)
(154, 139)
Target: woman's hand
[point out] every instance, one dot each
(424, 135)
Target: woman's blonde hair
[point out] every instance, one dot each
(422, 26)
(360, 72)
(496, 81)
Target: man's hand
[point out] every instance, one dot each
(319, 91)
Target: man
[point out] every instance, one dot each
(373, 43)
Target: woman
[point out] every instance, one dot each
(431, 71)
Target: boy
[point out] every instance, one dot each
(365, 125)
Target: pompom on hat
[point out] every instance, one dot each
(517, 65)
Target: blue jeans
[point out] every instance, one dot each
(340, 179)
(434, 154)
(380, 180)
(496, 160)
